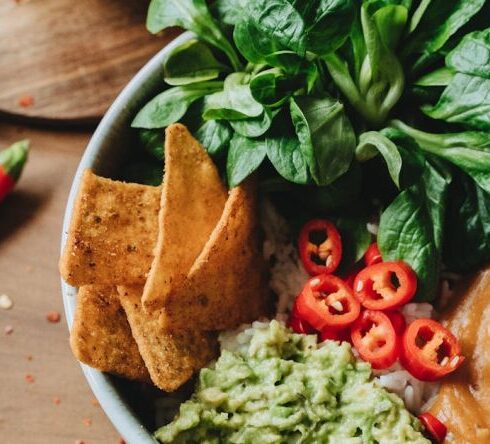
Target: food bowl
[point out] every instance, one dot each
(124, 402)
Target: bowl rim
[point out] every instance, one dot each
(114, 406)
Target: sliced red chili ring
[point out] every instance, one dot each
(436, 428)
(335, 335)
(298, 325)
(327, 301)
(375, 339)
(386, 285)
(372, 255)
(320, 247)
(350, 276)
(429, 351)
(398, 321)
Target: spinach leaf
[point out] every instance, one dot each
(466, 100)
(152, 141)
(254, 126)
(272, 87)
(355, 240)
(372, 142)
(194, 16)
(244, 157)
(253, 43)
(467, 237)
(469, 150)
(279, 21)
(413, 159)
(326, 23)
(229, 11)
(287, 158)
(191, 62)
(171, 105)
(327, 139)
(289, 62)
(316, 26)
(215, 137)
(418, 14)
(281, 147)
(438, 21)
(234, 102)
(379, 80)
(390, 18)
(472, 55)
(411, 228)
(439, 77)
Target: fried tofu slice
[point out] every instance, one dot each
(101, 336)
(227, 284)
(112, 233)
(171, 358)
(193, 199)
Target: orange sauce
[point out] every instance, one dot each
(463, 403)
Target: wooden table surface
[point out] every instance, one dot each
(70, 57)
(58, 406)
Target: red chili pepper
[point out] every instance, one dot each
(372, 255)
(327, 301)
(398, 321)
(429, 351)
(320, 247)
(374, 337)
(335, 335)
(386, 285)
(435, 427)
(12, 162)
(350, 276)
(298, 325)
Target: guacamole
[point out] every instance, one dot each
(273, 386)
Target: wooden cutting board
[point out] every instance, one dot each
(68, 59)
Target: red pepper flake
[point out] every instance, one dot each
(56, 401)
(29, 378)
(87, 422)
(8, 329)
(26, 101)
(79, 441)
(53, 317)
(121, 441)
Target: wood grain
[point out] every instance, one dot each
(72, 57)
(30, 227)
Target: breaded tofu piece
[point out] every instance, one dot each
(171, 358)
(101, 336)
(193, 199)
(112, 233)
(227, 284)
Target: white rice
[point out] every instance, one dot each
(288, 278)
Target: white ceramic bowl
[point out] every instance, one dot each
(105, 152)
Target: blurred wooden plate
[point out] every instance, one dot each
(70, 57)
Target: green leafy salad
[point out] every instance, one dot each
(374, 110)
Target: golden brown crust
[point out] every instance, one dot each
(171, 358)
(101, 337)
(112, 233)
(227, 284)
(194, 197)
